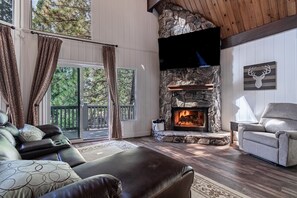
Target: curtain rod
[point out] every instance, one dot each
(11, 26)
(72, 38)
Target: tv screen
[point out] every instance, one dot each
(196, 49)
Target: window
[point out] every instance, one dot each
(6, 11)
(126, 92)
(67, 17)
(80, 100)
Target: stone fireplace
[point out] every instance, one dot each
(194, 89)
(193, 94)
(189, 119)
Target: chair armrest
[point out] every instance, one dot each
(250, 127)
(50, 130)
(36, 145)
(290, 133)
(105, 186)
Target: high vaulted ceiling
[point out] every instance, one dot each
(236, 16)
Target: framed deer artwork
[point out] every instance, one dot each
(260, 76)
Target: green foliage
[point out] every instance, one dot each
(68, 17)
(64, 87)
(95, 86)
(126, 89)
(6, 10)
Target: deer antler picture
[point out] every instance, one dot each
(259, 74)
(259, 79)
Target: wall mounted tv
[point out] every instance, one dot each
(196, 49)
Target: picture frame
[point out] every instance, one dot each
(260, 76)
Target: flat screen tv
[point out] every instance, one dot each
(197, 49)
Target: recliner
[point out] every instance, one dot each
(53, 146)
(274, 138)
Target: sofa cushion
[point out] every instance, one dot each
(280, 110)
(32, 178)
(3, 118)
(70, 155)
(7, 150)
(268, 139)
(8, 136)
(12, 129)
(30, 133)
(273, 125)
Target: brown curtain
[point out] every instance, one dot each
(115, 129)
(46, 64)
(9, 78)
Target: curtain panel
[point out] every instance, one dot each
(9, 78)
(46, 64)
(115, 128)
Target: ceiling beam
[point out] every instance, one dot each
(151, 4)
(272, 28)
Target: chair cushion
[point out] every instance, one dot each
(3, 118)
(30, 133)
(273, 125)
(34, 178)
(268, 139)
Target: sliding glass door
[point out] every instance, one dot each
(79, 102)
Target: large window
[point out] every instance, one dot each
(6, 11)
(67, 17)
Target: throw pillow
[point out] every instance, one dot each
(34, 178)
(30, 133)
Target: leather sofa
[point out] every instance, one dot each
(139, 172)
(274, 138)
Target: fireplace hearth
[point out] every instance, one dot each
(190, 119)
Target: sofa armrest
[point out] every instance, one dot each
(105, 186)
(50, 130)
(289, 133)
(244, 127)
(250, 127)
(36, 145)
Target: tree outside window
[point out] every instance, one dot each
(67, 17)
(126, 93)
(6, 11)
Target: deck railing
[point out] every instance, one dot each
(93, 116)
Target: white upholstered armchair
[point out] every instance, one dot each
(274, 138)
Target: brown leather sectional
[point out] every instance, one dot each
(138, 172)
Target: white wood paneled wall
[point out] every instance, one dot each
(241, 105)
(125, 23)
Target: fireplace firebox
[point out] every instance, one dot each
(190, 119)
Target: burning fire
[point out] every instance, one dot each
(185, 118)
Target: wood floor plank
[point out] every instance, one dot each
(231, 167)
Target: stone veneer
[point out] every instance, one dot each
(175, 20)
(197, 98)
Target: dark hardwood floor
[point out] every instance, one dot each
(231, 167)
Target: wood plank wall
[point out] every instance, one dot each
(126, 23)
(241, 105)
